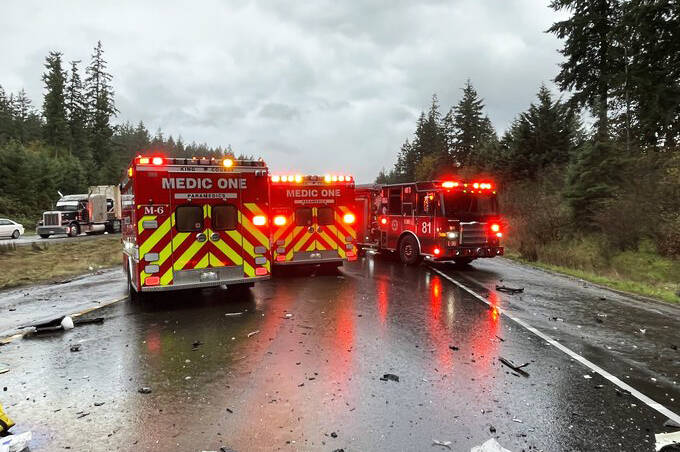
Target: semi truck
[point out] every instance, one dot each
(95, 212)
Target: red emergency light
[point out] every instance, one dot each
(279, 220)
(450, 184)
(259, 220)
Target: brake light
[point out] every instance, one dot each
(227, 163)
(475, 185)
(349, 218)
(259, 220)
(279, 220)
(259, 271)
(144, 160)
(157, 161)
(383, 220)
(152, 281)
(437, 251)
(495, 227)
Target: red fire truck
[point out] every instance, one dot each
(313, 219)
(450, 220)
(196, 222)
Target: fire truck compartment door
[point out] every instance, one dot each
(226, 235)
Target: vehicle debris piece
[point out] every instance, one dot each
(15, 443)
(75, 347)
(79, 322)
(334, 435)
(98, 403)
(454, 348)
(446, 444)
(513, 366)
(195, 345)
(6, 423)
(67, 323)
(390, 377)
(253, 333)
(144, 390)
(500, 338)
(288, 315)
(666, 439)
(490, 446)
(510, 290)
(587, 377)
(233, 314)
(81, 415)
(671, 423)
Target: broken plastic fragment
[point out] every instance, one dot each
(489, 446)
(388, 377)
(15, 443)
(446, 444)
(67, 323)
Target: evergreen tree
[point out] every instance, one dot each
(27, 123)
(594, 56)
(468, 127)
(76, 111)
(101, 107)
(6, 118)
(55, 130)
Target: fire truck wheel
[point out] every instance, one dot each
(74, 230)
(409, 251)
(132, 293)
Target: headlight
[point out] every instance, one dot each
(451, 235)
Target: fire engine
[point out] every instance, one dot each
(450, 220)
(195, 222)
(312, 219)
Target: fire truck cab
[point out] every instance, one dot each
(313, 219)
(449, 220)
(197, 222)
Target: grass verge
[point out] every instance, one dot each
(46, 262)
(641, 272)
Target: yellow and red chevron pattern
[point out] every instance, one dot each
(181, 251)
(293, 238)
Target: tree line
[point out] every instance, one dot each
(73, 140)
(620, 176)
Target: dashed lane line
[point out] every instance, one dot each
(589, 364)
(8, 339)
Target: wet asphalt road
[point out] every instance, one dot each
(310, 378)
(28, 239)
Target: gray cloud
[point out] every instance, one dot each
(310, 86)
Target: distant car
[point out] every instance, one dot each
(9, 228)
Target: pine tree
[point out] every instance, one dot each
(468, 127)
(27, 123)
(55, 130)
(594, 56)
(101, 107)
(76, 115)
(6, 118)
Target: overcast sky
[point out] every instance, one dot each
(315, 87)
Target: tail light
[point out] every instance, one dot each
(495, 227)
(259, 271)
(279, 220)
(151, 281)
(259, 220)
(349, 218)
(437, 251)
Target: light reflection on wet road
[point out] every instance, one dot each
(316, 372)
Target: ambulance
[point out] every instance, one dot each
(194, 222)
(313, 219)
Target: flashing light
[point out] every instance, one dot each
(348, 178)
(259, 271)
(284, 178)
(349, 218)
(451, 235)
(144, 160)
(449, 184)
(130, 172)
(475, 185)
(279, 220)
(227, 163)
(298, 178)
(259, 220)
(437, 251)
(383, 220)
(275, 178)
(341, 178)
(499, 234)
(495, 227)
(152, 281)
(327, 178)
(157, 160)
(334, 178)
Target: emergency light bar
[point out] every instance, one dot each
(474, 185)
(225, 162)
(298, 179)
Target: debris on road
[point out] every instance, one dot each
(454, 348)
(253, 333)
(492, 429)
(64, 323)
(334, 435)
(671, 423)
(98, 403)
(514, 419)
(500, 338)
(390, 377)
(15, 443)
(75, 347)
(82, 414)
(289, 315)
(195, 345)
(510, 290)
(98, 321)
(513, 366)
(67, 323)
(446, 444)
(233, 314)
(666, 439)
(6, 423)
(144, 390)
(490, 446)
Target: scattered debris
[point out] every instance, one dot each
(454, 348)
(144, 390)
(4, 371)
(643, 330)
(446, 444)
(671, 423)
(510, 290)
(673, 347)
(98, 403)
(514, 419)
(514, 366)
(388, 377)
(492, 429)
(15, 443)
(666, 439)
(229, 410)
(81, 415)
(233, 314)
(500, 338)
(67, 323)
(75, 347)
(587, 377)
(334, 435)
(253, 333)
(556, 319)
(289, 315)
(599, 386)
(79, 322)
(195, 345)
(489, 446)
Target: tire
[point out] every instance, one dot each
(44, 236)
(74, 230)
(409, 250)
(463, 260)
(15, 234)
(133, 295)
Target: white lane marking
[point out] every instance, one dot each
(592, 366)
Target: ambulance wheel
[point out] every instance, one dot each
(74, 230)
(409, 250)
